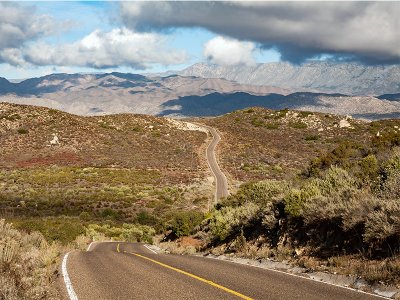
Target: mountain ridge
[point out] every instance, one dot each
(326, 77)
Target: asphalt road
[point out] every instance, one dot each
(131, 271)
(221, 184)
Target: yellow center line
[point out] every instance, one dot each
(118, 248)
(195, 277)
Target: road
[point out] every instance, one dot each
(131, 271)
(221, 183)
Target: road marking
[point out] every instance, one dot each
(148, 248)
(90, 245)
(118, 248)
(67, 280)
(196, 277)
(299, 276)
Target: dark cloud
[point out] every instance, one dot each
(364, 31)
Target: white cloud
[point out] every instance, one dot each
(99, 49)
(226, 51)
(18, 25)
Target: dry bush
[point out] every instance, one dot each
(27, 265)
(383, 223)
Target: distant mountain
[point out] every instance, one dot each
(324, 77)
(91, 94)
(176, 95)
(390, 97)
(217, 104)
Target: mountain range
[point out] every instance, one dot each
(202, 90)
(321, 77)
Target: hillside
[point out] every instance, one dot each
(259, 143)
(322, 77)
(54, 163)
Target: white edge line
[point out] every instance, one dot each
(295, 275)
(67, 280)
(90, 245)
(148, 248)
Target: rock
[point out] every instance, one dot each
(320, 129)
(55, 140)
(344, 124)
(378, 134)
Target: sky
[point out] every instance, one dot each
(39, 38)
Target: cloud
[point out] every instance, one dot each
(18, 25)
(364, 31)
(225, 51)
(99, 49)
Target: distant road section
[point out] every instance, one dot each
(123, 271)
(221, 183)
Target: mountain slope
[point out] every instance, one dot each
(93, 94)
(326, 77)
(215, 104)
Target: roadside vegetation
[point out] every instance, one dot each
(317, 190)
(341, 214)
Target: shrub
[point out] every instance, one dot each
(260, 192)
(311, 138)
(126, 232)
(183, 223)
(27, 265)
(390, 177)
(383, 223)
(298, 125)
(230, 220)
(272, 125)
(22, 131)
(257, 122)
(294, 203)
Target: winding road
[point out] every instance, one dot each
(221, 183)
(120, 270)
(126, 271)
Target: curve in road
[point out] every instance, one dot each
(221, 183)
(131, 271)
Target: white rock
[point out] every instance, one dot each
(320, 129)
(55, 140)
(344, 124)
(378, 134)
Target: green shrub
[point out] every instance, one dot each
(294, 203)
(261, 192)
(298, 125)
(183, 223)
(390, 177)
(257, 122)
(311, 138)
(22, 131)
(271, 125)
(126, 232)
(230, 220)
(145, 218)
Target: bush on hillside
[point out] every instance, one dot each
(183, 223)
(27, 265)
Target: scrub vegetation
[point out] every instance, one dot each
(318, 190)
